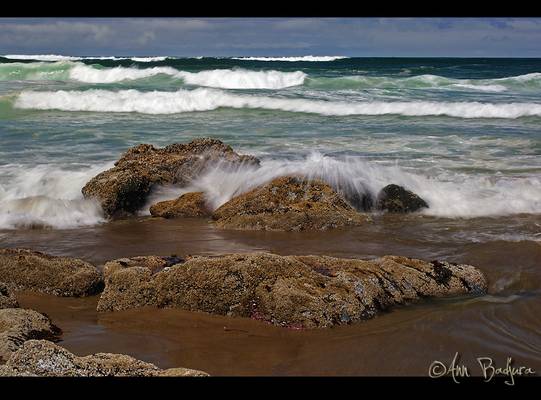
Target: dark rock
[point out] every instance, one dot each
(396, 199)
(360, 201)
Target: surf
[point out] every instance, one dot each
(203, 99)
(47, 196)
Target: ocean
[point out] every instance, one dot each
(464, 134)
(461, 133)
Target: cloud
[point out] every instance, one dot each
(281, 36)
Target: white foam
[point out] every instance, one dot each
(88, 74)
(243, 79)
(55, 57)
(149, 59)
(47, 196)
(522, 78)
(292, 59)
(41, 57)
(219, 78)
(201, 99)
(483, 88)
(249, 79)
(448, 195)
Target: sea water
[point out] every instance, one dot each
(464, 134)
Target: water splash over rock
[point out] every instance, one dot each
(124, 188)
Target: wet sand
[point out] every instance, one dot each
(405, 341)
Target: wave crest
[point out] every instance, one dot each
(55, 57)
(218, 78)
(202, 99)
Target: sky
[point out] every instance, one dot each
(190, 37)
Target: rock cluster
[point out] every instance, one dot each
(124, 188)
(286, 203)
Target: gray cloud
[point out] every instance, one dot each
(273, 36)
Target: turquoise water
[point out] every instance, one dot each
(462, 133)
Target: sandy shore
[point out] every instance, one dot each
(402, 342)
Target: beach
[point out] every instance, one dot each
(462, 134)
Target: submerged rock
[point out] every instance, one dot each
(18, 325)
(43, 358)
(290, 291)
(187, 205)
(7, 299)
(288, 203)
(62, 276)
(397, 199)
(124, 188)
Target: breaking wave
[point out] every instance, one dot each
(69, 70)
(50, 196)
(219, 78)
(47, 196)
(521, 82)
(448, 195)
(54, 57)
(202, 99)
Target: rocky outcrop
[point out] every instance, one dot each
(43, 358)
(7, 299)
(187, 205)
(290, 291)
(396, 199)
(18, 325)
(124, 188)
(61, 276)
(288, 203)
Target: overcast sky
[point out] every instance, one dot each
(364, 37)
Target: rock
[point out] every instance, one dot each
(288, 203)
(43, 358)
(182, 372)
(187, 205)
(290, 291)
(62, 276)
(7, 299)
(123, 189)
(360, 201)
(397, 199)
(18, 325)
